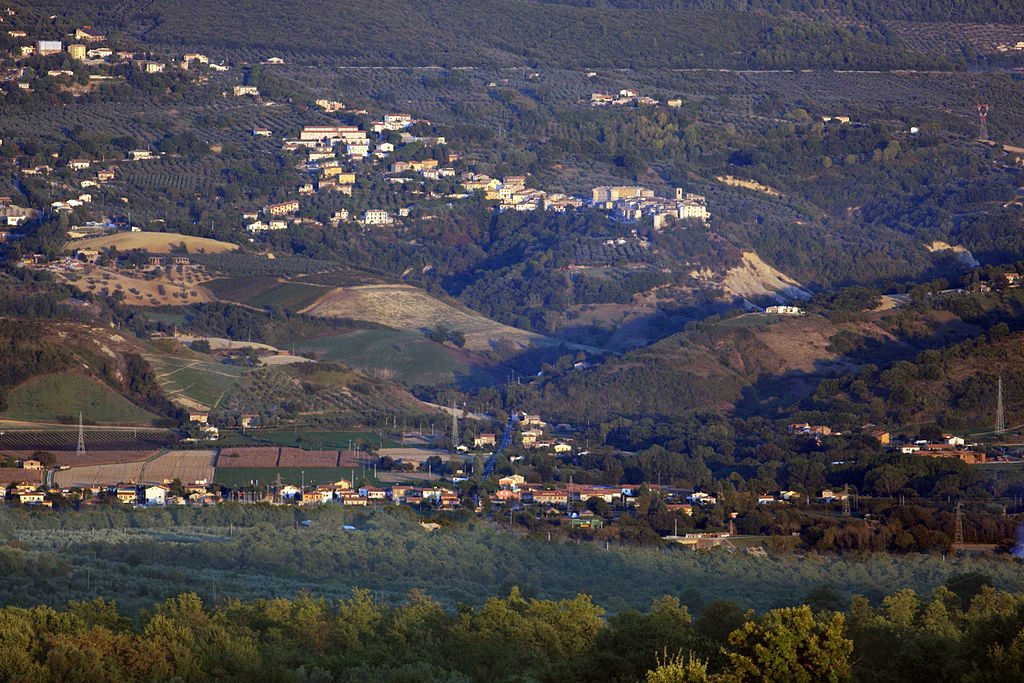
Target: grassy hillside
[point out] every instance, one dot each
(66, 394)
(99, 364)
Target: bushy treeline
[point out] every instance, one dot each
(970, 633)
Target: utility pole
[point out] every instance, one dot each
(846, 500)
(455, 428)
(1000, 417)
(958, 539)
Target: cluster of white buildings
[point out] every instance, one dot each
(630, 204)
(624, 98)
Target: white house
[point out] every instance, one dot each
(376, 217)
(155, 494)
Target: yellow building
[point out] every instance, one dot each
(338, 174)
(76, 51)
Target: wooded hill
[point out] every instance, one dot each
(935, 360)
(460, 32)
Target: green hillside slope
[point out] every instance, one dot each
(66, 394)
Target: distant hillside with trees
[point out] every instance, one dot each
(421, 33)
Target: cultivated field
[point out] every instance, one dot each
(296, 457)
(192, 383)
(249, 456)
(90, 458)
(189, 466)
(322, 440)
(49, 397)
(169, 288)
(409, 308)
(153, 242)
(18, 475)
(404, 356)
(65, 439)
(277, 456)
(267, 291)
(243, 476)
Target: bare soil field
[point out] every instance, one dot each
(189, 466)
(409, 308)
(18, 475)
(153, 242)
(353, 459)
(249, 456)
(296, 457)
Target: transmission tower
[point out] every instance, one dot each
(958, 539)
(846, 500)
(80, 453)
(1000, 417)
(982, 121)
